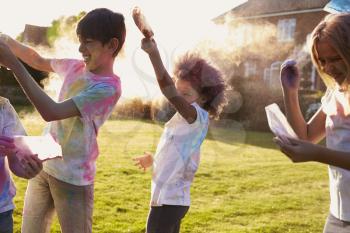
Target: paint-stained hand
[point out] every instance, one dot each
(31, 165)
(7, 147)
(290, 78)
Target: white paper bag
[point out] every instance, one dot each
(44, 146)
(278, 122)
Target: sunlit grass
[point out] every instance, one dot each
(239, 187)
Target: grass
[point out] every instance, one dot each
(243, 184)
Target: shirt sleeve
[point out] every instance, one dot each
(327, 102)
(12, 124)
(63, 66)
(97, 100)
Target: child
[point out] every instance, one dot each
(10, 126)
(330, 53)
(87, 97)
(198, 92)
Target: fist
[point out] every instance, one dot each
(290, 79)
(149, 45)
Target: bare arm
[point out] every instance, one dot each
(166, 84)
(27, 54)
(313, 130)
(48, 109)
(303, 151)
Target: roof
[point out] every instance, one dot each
(265, 7)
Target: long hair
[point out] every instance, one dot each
(336, 29)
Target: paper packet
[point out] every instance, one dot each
(278, 122)
(44, 146)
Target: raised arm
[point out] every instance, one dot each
(166, 83)
(313, 130)
(48, 109)
(27, 54)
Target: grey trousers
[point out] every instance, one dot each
(45, 194)
(334, 225)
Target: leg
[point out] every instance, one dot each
(181, 212)
(74, 205)
(165, 219)
(334, 225)
(154, 217)
(6, 222)
(38, 207)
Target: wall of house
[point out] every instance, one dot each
(281, 50)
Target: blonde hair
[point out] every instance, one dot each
(336, 29)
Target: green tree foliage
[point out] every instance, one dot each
(62, 27)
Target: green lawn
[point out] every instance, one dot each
(243, 184)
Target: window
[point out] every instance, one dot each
(286, 30)
(272, 74)
(249, 69)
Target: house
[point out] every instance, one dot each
(35, 35)
(9, 87)
(293, 21)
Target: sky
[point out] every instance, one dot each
(176, 25)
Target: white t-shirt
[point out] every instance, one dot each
(95, 96)
(336, 106)
(177, 159)
(9, 126)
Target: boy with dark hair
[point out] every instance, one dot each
(89, 92)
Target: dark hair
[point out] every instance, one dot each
(103, 24)
(206, 79)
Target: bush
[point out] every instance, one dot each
(256, 95)
(132, 109)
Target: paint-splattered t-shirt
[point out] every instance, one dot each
(9, 126)
(95, 96)
(177, 159)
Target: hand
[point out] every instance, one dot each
(31, 165)
(141, 22)
(298, 150)
(149, 45)
(7, 58)
(4, 38)
(7, 147)
(144, 161)
(290, 79)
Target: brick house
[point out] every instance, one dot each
(293, 20)
(35, 35)
(9, 87)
